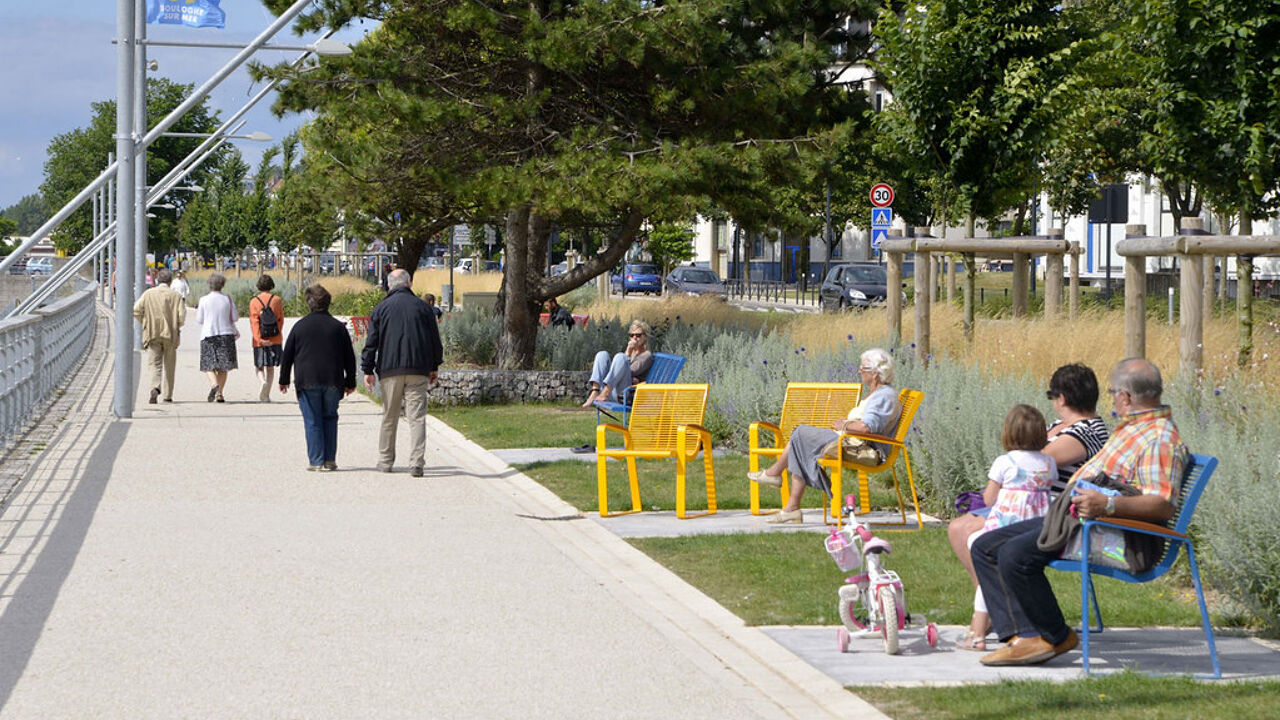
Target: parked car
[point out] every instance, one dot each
(559, 269)
(688, 280)
(853, 285)
(39, 266)
(492, 266)
(638, 278)
(465, 265)
(433, 263)
(19, 266)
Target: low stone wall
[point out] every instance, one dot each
(474, 387)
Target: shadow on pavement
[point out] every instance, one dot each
(44, 530)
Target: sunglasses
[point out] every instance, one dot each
(636, 335)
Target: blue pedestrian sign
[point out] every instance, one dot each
(881, 217)
(878, 236)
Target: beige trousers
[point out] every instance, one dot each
(409, 391)
(162, 358)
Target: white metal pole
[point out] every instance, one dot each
(139, 100)
(123, 398)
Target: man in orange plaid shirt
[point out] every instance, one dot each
(1145, 451)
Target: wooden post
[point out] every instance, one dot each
(1135, 298)
(893, 299)
(970, 293)
(1073, 286)
(1195, 226)
(1053, 279)
(1020, 284)
(1191, 315)
(923, 274)
(951, 277)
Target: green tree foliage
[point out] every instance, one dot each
(77, 157)
(670, 244)
(221, 220)
(537, 115)
(970, 79)
(300, 216)
(8, 228)
(29, 213)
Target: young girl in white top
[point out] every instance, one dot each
(1017, 489)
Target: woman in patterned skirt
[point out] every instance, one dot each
(217, 316)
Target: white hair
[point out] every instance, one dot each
(879, 361)
(398, 278)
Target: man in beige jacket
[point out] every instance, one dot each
(162, 313)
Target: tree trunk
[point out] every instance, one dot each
(519, 322)
(1244, 298)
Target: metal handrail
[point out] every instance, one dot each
(38, 350)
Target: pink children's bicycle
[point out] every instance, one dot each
(872, 602)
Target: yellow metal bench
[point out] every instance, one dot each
(910, 401)
(816, 404)
(665, 422)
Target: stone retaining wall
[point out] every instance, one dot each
(474, 387)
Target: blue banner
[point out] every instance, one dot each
(192, 13)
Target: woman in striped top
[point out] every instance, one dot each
(1074, 437)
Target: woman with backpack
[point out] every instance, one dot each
(266, 318)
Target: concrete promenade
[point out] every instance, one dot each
(183, 563)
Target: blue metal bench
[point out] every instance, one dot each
(1197, 476)
(665, 370)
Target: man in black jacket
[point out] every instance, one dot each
(402, 353)
(320, 348)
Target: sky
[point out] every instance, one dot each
(57, 57)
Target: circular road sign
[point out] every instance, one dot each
(881, 195)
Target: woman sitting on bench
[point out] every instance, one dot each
(611, 376)
(876, 414)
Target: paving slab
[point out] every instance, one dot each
(1151, 650)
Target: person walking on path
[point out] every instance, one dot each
(180, 284)
(1145, 452)
(217, 314)
(320, 348)
(402, 353)
(266, 319)
(162, 313)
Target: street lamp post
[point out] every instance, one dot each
(125, 218)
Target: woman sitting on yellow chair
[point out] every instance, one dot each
(876, 414)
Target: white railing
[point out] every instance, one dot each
(38, 350)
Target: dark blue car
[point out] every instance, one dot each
(642, 278)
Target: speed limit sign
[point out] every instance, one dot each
(881, 195)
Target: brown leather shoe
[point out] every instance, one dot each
(1068, 644)
(1023, 651)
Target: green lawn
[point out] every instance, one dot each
(522, 426)
(788, 579)
(1132, 697)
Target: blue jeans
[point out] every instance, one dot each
(320, 422)
(1010, 570)
(614, 372)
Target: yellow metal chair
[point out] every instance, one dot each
(910, 401)
(665, 422)
(816, 404)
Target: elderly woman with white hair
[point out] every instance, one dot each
(876, 414)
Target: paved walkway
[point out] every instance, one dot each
(184, 564)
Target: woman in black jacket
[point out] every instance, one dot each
(320, 348)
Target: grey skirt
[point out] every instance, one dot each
(218, 353)
(808, 443)
(267, 356)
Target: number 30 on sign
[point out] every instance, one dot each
(881, 195)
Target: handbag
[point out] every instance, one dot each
(1108, 546)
